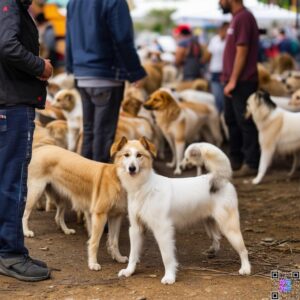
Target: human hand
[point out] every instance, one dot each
(230, 86)
(48, 70)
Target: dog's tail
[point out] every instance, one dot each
(217, 163)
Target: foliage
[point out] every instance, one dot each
(157, 20)
(283, 3)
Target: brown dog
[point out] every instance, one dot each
(91, 186)
(183, 122)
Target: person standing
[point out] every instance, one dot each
(215, 57)
(101, 54)
(188, 53)
(23, 76)
(241, 80)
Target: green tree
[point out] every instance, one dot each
(157, 20)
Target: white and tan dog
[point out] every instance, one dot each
(70, 103)
(92, 187)
(161, 204)
(278, 131)
(183, 122)
(209, 157)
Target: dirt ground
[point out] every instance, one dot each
(270, 223)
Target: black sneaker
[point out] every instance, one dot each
(24, 268)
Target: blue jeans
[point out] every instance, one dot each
(101, 108)
(16, 131)
(217, 89)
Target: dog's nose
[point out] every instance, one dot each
(132, 169)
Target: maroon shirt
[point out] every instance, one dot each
(242, 30)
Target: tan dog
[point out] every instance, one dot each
(154, 77)
(132, 106)
(91, 186)
(281, 63)
(50, 113)
(278, 131)
(58, 130)
(197, 84)
(182, 122)
(69, 101)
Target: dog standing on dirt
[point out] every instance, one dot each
(278, 131)
(162, 203)
(70, 103)
(183, 122)
(92, 187)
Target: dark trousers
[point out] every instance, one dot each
(243, 135)
(16, 131)
(101, 108)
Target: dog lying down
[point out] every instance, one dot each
(161, 204)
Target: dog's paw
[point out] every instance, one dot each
(121, 259)
(256, 180)
(177, 172)
(168, 279)
(170, 164)
(245, 270)
(94, 266)
(29, 233)
(125, 273)
(69, 231)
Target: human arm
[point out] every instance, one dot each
(121, 28)
(11, 49)
(239, 64)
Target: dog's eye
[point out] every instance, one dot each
(126, 155)
(139, 155)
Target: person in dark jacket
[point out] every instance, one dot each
(101, 54)
(23, 76)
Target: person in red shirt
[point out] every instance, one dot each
(241, 80)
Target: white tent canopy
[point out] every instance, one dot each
(266, 14)
(201, 12)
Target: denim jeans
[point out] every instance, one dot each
(217, 89)
(16, 132)
(101, 108)
(243, 135)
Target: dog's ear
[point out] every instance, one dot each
(148, 146)
(117, 146)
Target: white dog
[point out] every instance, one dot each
(69, 100)
(208, 156)
(278, 131)
(162, 203)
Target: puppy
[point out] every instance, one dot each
(209, 157)
(183, 122)
(161, 204)
(91, 186)
(70, 103)
(278, 131)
